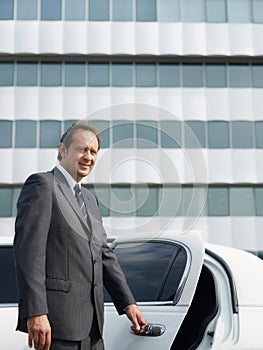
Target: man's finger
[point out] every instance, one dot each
(48, 341)
(30, 338)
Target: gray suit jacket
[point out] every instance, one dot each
(62, 262)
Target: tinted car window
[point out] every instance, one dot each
(153, 269)
(8, 290)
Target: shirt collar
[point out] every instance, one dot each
(68, 177)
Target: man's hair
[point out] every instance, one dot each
(66, 138)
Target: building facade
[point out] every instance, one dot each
(174, 86)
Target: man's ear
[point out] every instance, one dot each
(62, 150)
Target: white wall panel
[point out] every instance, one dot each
(46, 159)
(145, 39)
(149, 97)
(195, 166)
(123, 105)
(50, 103)
(7, 227)
(7, 37)
(172, 165)
(75, 37)
(240, 104)
(217, 39)
(194, 38)
(243, 165)
(99, 38)
(148, 168)
(26, 102)
(75, 103)
(217, 104)
(7, 102)
(26, 36)
(257, 101)
(244, 232)
(25, 162)
(259, 165)
(219, 163)
(194, 104)
(259, 230)
(123, 38)
(240, 38)
(6, 161)
(257, 39)
(99, 101)
(51, 37)
(170, 39)
(124, 165)
(220, 230)
(170, 100)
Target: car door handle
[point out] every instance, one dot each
(152, 330)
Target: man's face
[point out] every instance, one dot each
(80, 157)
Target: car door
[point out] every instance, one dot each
(162, 273)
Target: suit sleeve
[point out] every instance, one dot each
(34, 210)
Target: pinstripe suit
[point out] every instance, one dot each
(61, 261)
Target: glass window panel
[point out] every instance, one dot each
(146, 10)
(218, 134)
(8, 291)
(259, 134)
(6, 133)
(98, 74)
(218, 202)
(98, 10)
(6, 74)
(170, 131)
(192, 75)
(146, 134)
(239, 75)
(193, 11)
(242, 201)
(50, 131)
(192, 202)
(216, 11)
(103, 196)
(16, 194)
(122, 134)
(75, 10)
(215, 75)
(51, 74)
(103, 127)
(194, 134)
(6, 202)
(25, 134)
(168, 10)
(26, 9)
(75, 74)
(51, 10)
(169, 75)
(259, 201)
(122, 10)
(145, 74)
(26, 74)
(169, 201)
(123, 201)
(257, 8)
(146, 201)
(242, 134)
(122, 74)
(6, 9)
(257, 76)
(68, 124)
(239, 11)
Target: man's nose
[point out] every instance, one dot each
(87, 154)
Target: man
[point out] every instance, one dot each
(62, 258)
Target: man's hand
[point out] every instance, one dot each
(39, 332)
(135, 315)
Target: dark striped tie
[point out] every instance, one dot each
(80, 200)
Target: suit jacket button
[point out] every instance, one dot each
(94, 262)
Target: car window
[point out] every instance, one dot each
(8, 289)
(153, 269)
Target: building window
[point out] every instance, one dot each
(50, 132)
(6, 127)
(169, 75)
(215, 75)
(239, 75)
(6, 74)
(146, 10)
(193, 11)
(98, 74)
(26, 74)
(75, 10)
(26, 9)
(259, 134)
(257, 76)
(194, 134)
(103, 126)
(6, 202)
(146, 201)
(7, 9)
(146, 134)
(122, 134)
(218, 201)
(51, 10)
(168, 10)
(75, 74)
(216, 11)
(170, 133)
(122, 74)
(122, 10)
(218, 134)
(241, 201)
(145, 74)
(25, 131)
(122, 201)
(103, 195)
(239, 11)
(51, 74)
(192, 75)
(257, 8)
(242, 134)
(259, 201)
(98, 10)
